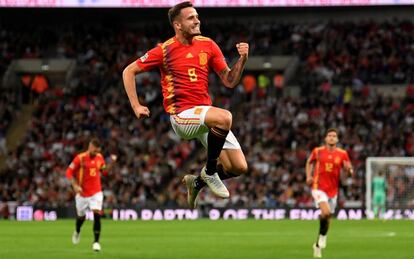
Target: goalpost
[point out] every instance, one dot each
(399, 176)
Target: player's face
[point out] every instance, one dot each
(93, 151)
(188, 22)
(331, 138)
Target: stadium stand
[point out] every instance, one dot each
(276, 132)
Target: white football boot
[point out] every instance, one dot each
(96, 247)
(192, 192)
(75, 238)
(322, 241)
(317, 251)
(215, 184)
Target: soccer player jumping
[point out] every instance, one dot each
(84, 173)
(325, 163)
(185, 62)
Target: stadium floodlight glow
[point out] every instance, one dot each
(267, 65)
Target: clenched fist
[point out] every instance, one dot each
(243, 49)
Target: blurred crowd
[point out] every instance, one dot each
(356, 52)
(399, 179)
(277, 132)
(8, 112)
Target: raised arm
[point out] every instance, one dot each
(108, 167)
(128, 77)
(231, 77)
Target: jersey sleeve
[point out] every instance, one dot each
(313, 155)
(346, 157)
(217, 61)
(104, 168)
(73, 167)
(152, 59)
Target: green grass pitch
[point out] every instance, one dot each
(245, 239)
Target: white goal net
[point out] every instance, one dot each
(399, 178)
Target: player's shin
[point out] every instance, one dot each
(323, 230)
(79, 223)
(323, 225)
(96, 226)
(216, 139)
(376, 211)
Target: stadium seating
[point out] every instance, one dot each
(276, 133)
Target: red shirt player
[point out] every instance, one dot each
(84, 173)
(326, 163)
(184, 71)
(185, 62)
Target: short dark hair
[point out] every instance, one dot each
(176, 9)
(332, 130)
(95, 142)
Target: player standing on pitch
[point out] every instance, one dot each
(84, 173)
(379, 188)
(185, 61)
(325, 163)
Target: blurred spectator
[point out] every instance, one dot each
(278, 84)
(3, 144)
(276, 134)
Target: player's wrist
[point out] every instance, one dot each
(243, 58)
(136, 104)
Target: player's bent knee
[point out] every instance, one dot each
(243, 169)
(225, 120)
(240, 169)
(228, 118)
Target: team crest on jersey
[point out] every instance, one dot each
(143, 58)
(198, 111)
(337, 160)
(203, 58)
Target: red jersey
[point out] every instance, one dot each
(328, 165)
(87, 171)
(184, 71)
